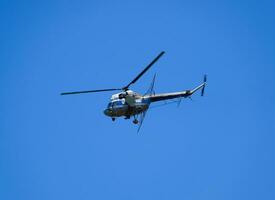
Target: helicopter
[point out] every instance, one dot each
(128, 103)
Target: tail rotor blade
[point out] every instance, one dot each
(205, 78)
(204, 81)
(202, 91)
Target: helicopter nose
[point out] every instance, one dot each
(107, 112)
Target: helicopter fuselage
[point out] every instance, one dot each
(126, 104)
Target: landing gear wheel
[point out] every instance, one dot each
(135, 121)
(113, 119)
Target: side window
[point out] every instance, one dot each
(115, 103)
(118, 103)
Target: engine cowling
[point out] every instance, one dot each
(122, 96)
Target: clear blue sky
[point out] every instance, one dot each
(57, 147)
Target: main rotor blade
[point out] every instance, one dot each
(150, 90)
(142, 117)
(146, 68)
(89, 91)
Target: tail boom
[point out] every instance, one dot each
(184, 94)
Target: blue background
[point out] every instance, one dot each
(220, 146)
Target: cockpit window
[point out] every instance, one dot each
(115, 103)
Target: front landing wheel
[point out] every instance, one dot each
(113, 119)
(135, 121)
